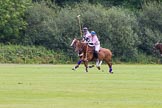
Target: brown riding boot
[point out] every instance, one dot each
(96, 54)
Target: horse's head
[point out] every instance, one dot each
(73, 42)
(77, 45)
(158, 46)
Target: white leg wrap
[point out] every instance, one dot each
(97, 62)
(100, 63)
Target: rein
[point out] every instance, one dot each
(85, 45)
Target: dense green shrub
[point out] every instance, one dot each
(31, 55)
(51, 28)
(115, 27)
(12, 21)
(129, 34)
(150, 23)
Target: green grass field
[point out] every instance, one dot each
(57, 86)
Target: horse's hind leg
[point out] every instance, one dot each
(110, 66)
(98, 64)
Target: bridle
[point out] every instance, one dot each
(80, 46)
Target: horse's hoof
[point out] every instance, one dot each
(91, 66)
(111, 72)
(73, 69)
(98, 68)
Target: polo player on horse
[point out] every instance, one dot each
(93, 41)
(85, 39)
(88, 52)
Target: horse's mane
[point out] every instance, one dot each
(78, 39)
(158, 44)
(81, 41)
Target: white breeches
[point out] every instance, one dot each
(97, 48)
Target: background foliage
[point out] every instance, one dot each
(128, 28)
(30, 55)
(12, 21)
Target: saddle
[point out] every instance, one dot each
(91, 45)
(95, 54)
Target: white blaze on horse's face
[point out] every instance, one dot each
(73, 42)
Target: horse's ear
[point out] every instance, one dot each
(158, 42)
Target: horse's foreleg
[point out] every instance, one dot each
(77, 65)
(86, 66)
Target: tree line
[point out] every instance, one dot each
(128, 28)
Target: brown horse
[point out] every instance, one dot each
(88, 53)
(158, 46)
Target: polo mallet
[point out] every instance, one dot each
(79, 23)
(80, 28)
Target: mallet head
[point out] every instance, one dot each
(78, 16)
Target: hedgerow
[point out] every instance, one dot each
(31, 55)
